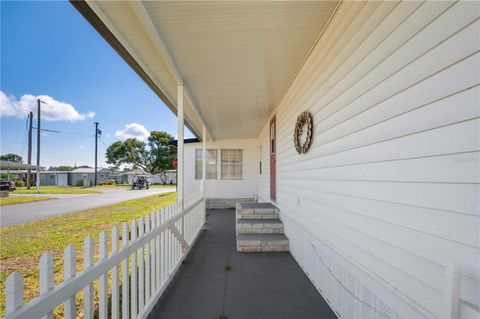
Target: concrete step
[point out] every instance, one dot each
(262, 243)
(259, 226)
(257, 211)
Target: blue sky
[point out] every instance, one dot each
(49, 49)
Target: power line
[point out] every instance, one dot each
(77, 133)
(46, 130)
(112, 138)
(101, 140)
(54, 140)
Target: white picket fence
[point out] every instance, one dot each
(155, 246)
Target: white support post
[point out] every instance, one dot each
(452, 292)
(69, 271)
(180, 126)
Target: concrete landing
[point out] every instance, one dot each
(257, 286)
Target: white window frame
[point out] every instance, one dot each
(241, 164)
(198, 176)
(218, 158)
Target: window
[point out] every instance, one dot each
(272, 138)
(211, 164)
(227, 162)
(231, 164)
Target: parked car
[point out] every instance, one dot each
(140, 182)
(6, 185)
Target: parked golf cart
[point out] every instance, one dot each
(140, 182)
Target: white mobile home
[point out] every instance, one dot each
(79, 175)
(47, 178)
(386, 196)
(358, 120)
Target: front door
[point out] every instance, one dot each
(273, 162)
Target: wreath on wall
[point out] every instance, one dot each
(304, 122)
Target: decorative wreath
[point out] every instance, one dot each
(304, 120)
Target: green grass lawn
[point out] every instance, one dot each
(22, 245)
(55, 190)
(4, 201)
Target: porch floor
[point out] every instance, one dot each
(258, 285)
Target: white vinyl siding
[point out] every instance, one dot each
(388, 192)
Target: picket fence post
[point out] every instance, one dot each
(125, 295)
(115, 292)
(133, 272)
(69, 271)
(13, 292)
(103, 289)
(88, 249)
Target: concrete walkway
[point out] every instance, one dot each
(259, 285)
(20, 213)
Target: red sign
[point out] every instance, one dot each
(175, 162)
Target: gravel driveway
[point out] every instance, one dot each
(17, 214)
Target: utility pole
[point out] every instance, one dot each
(29, 160)
(97, 132)
(38, 146)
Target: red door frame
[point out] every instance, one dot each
(273, 161)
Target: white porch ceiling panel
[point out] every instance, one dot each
(237, 59)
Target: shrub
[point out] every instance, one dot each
(79, 183)
(20, 184)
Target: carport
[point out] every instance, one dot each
(9, 165)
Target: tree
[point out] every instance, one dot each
(61, 168)
(154, 156)
(11, 157)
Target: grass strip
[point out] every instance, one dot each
(5, 201)
(21, 246)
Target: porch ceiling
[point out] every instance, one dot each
(236, 59)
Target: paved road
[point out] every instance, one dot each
(17, 214)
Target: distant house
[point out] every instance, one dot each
(78, 175)
(47, 178)
(54, 178)
(171, 177)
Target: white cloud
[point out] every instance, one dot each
(52, 110)
(133, 130)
